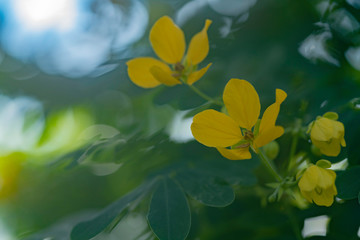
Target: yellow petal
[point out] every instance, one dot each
(342, 142)
(139, 71)
(235, 154)
(326, 177)
(306, 195)
(215, 129)
(271, 113)
(309, 179)
(322, 129)
(331, 148)
(338, 129)
(167, 40)
(163, 76)
(280, 96)
(193, 77)
(242, 102)
(267, 136)
(334, 190)
(199, 46)
(325, 198)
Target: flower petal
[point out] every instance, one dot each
(331, 148)
(199, 46)
(325, 198)
(271, 113)
(339, 129)
(194, 76)
(139, 71)
(307, 195)
(326, 178)
(215, 129)
(163, 76)
(167, 40)
(235, 154)
(267, 136)
(309, 179)
(322, 129)
(242, 102)
(280, 96)
(342, 142)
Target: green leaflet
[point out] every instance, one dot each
(169, 214)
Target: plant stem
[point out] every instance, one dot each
(292, 151)
(269, 166)
(204, 96)
(294, 142)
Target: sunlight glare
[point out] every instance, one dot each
(45, 14)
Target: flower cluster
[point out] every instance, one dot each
(237, 128)
(317, 184)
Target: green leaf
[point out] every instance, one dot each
(206, 189)
(348, 183)
(169, 213)
(89, 229)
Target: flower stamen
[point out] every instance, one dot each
(245, 145)
(179, 67)
(248, 135)
(176, 75)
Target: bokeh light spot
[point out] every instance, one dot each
(43, 14)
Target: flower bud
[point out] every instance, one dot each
(271, 150)
(317, 185)
(327, 134)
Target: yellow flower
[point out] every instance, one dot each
(168, 42)
(317, 185)
(233, 135)
(10, 167)
(327, 134)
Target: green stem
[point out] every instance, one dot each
(269, 166)
(294, 142)
(293, 150)
(204, 96)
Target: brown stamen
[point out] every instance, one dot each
(179, 67)
(248, 135)
(176, 75)
(245, 145)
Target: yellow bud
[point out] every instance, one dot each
(317, 185)
(327, 135)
